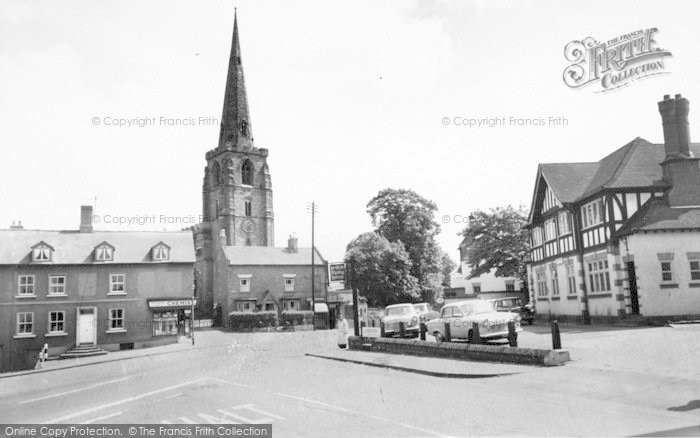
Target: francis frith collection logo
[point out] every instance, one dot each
(614, 63)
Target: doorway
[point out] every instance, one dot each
(634, 296)
(87, 326)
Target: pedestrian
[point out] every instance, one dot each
(342, 331)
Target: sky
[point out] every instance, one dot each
(350, 97)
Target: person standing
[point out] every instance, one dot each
(342, 331)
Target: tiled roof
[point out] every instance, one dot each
(73, 247)
(568, 180)
(267, 255)
(657, 215)
(636, 164)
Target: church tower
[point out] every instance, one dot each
(237, 190)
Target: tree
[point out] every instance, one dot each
(381, 270)
(496, 240)
(404, 216)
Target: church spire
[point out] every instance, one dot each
(236, 130)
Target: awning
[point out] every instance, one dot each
(171, 304)
(320, 308)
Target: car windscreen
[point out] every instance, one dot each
(398, 310)
(421, 307)
(476, 307)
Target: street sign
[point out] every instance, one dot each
(337, 272)
(371, 332)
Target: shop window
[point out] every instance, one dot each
(165, 323)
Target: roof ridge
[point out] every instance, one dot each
(631, 148)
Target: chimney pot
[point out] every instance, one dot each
(666, 96)
(86, 218)
(678, 96)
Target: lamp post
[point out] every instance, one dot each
(313, 209)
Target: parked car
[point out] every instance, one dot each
(515, 305)
(396, 314)
(462, 314)
(426, 312)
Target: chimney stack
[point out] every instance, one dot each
(680, 168)
(16, 227)
(86, 218)
(292, 245)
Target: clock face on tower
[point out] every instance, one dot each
(248, 226)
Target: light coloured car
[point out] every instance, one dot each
(396, 314)
(425, 311)
(461, 316)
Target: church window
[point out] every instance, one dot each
(248, 208)
(247, 173)
(217, 173)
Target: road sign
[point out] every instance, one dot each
(337, 272)
(371, 332)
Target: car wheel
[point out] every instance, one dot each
(439, 337)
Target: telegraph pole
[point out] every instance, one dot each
(313, 209)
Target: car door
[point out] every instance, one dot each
(445, 317)
(458, 325)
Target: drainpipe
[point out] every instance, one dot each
(579, 248)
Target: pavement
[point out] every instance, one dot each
(613, 387)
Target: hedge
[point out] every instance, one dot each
(252, 320)
(297, 317)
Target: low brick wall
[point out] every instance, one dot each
(452, 350)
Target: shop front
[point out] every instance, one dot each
(172, 317)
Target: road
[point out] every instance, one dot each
(266, 378)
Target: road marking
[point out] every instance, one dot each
(337, 408)
(101, 418)
(73, 391)
(170, 396)
(121, 402)
(229, 382)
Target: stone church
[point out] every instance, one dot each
(237, 226)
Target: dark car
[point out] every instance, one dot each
(515, 305)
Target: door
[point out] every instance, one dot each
(86, 326)
(634, 296)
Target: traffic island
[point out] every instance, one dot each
(473, 352)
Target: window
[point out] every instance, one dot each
(537, 236)
(25, 323)
(550, 229)
(291, 304)
(248, 208)
(666, 272)
(270, 306)
(599, 276)
(695, 269)
(116, 320)
(104, 253)
(246, 306)
(541, 284)
(476, 287)
(592, 213)
(289, 285)
(571, 279)
(164, 323)
(510, 286)
(56, 321)
(564, 223)
(41, 252)
(57, 284)
(247, 173)
(116, 284)
(245, 284)
(161, 252)
(555, 281)
(25, 285)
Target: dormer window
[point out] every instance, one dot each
(104, 252)
(42, 252)
(160, 252)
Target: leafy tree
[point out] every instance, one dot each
(381, 270)
(404, 216)
(496, 240)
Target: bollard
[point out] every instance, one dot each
(402, 330)
(512, 335)
(556, 337)
(448, 332)
(423, 329)
(382, 333)
(476, 337)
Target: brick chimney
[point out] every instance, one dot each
(86, 218)
(292, 245)
(16, 227)
(680, 168)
